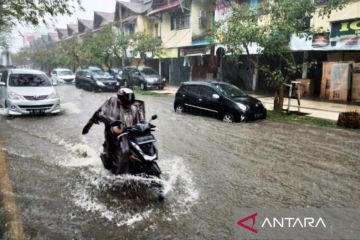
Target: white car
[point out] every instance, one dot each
(62, 75)
(24, 91)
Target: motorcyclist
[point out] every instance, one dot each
(120, 108)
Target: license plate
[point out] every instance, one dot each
(37, 111)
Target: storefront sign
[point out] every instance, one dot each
(345, 34)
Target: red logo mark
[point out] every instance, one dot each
(253, 218)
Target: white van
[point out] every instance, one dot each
(24, 91)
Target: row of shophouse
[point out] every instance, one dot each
(184, 27)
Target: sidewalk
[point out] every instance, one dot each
(326, 110)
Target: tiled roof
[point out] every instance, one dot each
(135, 7)
(53, 37)
(62, 33)
(73, 27)
(87, 23)
(108, 17)
(164, 7)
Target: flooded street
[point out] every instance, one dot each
(209, 168)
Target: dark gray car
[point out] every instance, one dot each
(96, 80)
(144, 77)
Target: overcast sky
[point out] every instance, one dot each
(60, 22)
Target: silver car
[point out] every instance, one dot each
(62, 75)
(24, 91)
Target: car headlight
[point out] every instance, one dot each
(100, 84)
(164, 79)
(15, 96)
(53, 95)
(242, 107)
(117, 84)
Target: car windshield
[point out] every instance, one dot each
(65, 73)
(148, 71)
(29, 80)
(230, 91)
(100, 73)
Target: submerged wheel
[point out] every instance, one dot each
(179, 108)
(228, 117)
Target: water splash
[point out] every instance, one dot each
(126, 199)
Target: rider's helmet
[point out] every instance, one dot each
(126, 96)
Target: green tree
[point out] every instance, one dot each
(270, 25)
(144, 45)
(68, 54)
(120, 47)
(32, 11)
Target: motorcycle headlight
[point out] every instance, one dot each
(242, 107)
(53, 95)
(15, 96)
(100, 84)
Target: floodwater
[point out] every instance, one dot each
(209, 168)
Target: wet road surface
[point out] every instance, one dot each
(209, 168)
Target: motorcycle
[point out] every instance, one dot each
(142, 153)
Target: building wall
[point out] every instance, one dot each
(351, 10)
(173, 38)
(196, 7)
(143, 25)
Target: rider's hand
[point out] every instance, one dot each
(116, 130)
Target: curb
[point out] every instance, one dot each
(13, 221)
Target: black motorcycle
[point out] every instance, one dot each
(142, 152)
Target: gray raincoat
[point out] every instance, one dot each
(112, 110)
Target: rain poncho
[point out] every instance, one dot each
(112, 110)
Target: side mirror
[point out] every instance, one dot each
(215, 96)
(153, 117)
(2, 84)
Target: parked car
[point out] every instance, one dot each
(226, 101)
(62, 75)
(95, 80)
(144, 77)
(24, 91)
(119, 75)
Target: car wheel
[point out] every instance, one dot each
(179, 108)
(142, 86)
(228, 117)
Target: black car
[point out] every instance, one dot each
(224, 100)
(95, 80)
(144, 77)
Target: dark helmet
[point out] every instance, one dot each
(126, 96)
